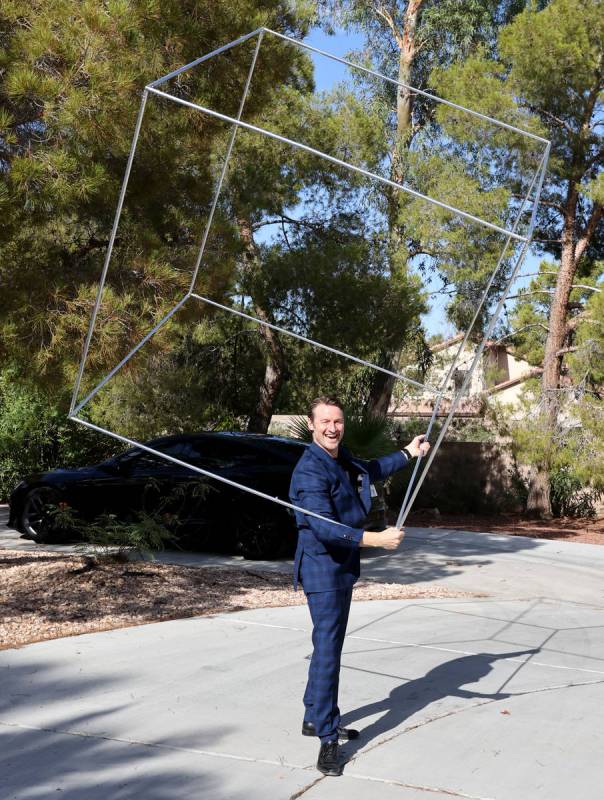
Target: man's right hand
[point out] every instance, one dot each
(389, 539)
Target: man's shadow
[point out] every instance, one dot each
(405, 700)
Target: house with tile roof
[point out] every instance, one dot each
(499, 375)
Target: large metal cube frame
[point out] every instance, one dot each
(512, 239)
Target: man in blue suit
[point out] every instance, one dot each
(328, 481)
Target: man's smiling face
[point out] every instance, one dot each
(327, 426)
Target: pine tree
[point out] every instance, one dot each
(548, 74)
(71, 77)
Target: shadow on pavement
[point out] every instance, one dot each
(445, 680)
(427, 556)
(48, 752)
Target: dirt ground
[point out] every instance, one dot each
(46, 595)
(572, 530)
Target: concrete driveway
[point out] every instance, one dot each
(499, 697)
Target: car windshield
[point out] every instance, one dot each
(138, 456)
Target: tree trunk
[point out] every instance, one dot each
(558, 339)
(382, 386)
(381, 390)
(275, 363)
(574, 245)
(404, 97)
(274, 376)
(539, 501)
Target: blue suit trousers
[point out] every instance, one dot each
(329, 612)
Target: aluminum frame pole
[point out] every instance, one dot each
(204, 472)
(225, 165)
(116, 219)
(386, 78)
(197, 61)
(299, 336)
(313, 151)
(480, 348)
(127, 357)
(402, 514)
(405, 512)
(496, 270)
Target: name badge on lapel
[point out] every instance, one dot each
(373, 490)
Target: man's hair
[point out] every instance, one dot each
(325, 400)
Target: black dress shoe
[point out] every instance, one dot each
(328, 759)
(344, 734)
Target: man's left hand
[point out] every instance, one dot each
(418, 446)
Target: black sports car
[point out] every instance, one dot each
(201, 512)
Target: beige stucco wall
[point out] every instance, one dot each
(467, 477)
(517, 367)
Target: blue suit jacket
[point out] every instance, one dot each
(327, 555)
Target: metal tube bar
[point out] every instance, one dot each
(456, 400)
(118, 212)
(225, 165)
(339, 162)
(126, 358)
(493, 274)
(399, 519)
(538, 192)
(488, 333)
(205, 472)
(436, 99)
(402, 515)
(216, 52)
(313, 342)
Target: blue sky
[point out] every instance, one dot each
(327, 71)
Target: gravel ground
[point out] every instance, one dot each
(47, 596)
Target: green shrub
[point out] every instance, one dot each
(36, 436)
(111, 537)
(157, 524)
(569, 495)
(114, 538)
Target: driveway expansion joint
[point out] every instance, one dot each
(417, 787)
(438, 648)
(248, 759)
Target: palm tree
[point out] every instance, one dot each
(366, 435)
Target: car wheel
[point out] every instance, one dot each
(261, 540)
(36, 517)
